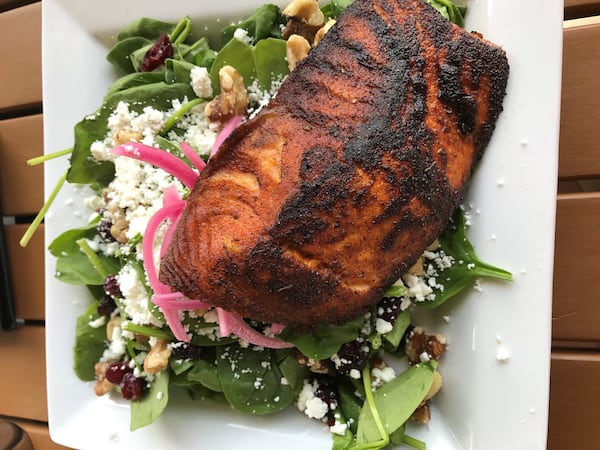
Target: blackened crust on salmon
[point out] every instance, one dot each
(310, 210)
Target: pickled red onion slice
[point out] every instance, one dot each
(192, 156)
(159, 158)
(231, 125)
(231, 323)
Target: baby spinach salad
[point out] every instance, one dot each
(168, 99)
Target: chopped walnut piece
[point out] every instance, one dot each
(421, 346)
(233, 99)
(158, 357)
(110, 327)
(422, 414)
(436, 385)
(295, 26)
(314, 365)
(296, 49)
(307, 11)
(102, 386)
(123, 137)
(417, 268)
(321, 33)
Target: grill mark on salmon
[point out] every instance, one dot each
(349, 174)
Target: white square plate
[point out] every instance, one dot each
(486, 403)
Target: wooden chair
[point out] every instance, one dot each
(575, 393)
(22, 382)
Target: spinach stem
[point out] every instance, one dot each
(179, 114)
(148, 331)
(40, 215)
(414, 442)
(385, 437)
(42, 159)
(181, 31)
(92, 256)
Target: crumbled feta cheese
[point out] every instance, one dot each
(201, 83)
(382, 376)
(135, 297)
(242, 35)
(316, 408)
(338, 428)
(355, 373)
(383, 326)
(100, 321)
(136, 193)
(116, 348)
(502, 355)
(417, 288)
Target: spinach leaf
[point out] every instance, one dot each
(334, 8)
(78, 269)
(393, 338)
(205, 373)
(324, 340)
(450, 10)
(265, 62)
(84, 169)
(148, 408)
(395, 402)
(145, 27)
(74, 266)
(120, 54)
(134, 79)
(251, 380)
(270, 62)
(89, 345)
(66, 243)
(177, 71)
(293, 372)
(467, 267)
(264, 23)
(349, 404)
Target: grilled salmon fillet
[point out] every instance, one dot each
(310, 210)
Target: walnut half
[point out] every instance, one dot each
(233, 99)
(296, 49)
(307, 11)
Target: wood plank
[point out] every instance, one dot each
(21, 74)
(579, 132)
(577, 267)
(574, 399)
(21, 139)
(581, 8)
(23, 378)
(26, 272)
(38, 433)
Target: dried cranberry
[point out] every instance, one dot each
(186, 351)
(327, 392)
(352, 355)
(160, 51)
(106, 306)
(115, 372)
(132, 387)
(103, 229)
(111, 287)
(388, 308)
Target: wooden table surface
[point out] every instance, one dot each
(575, 369)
